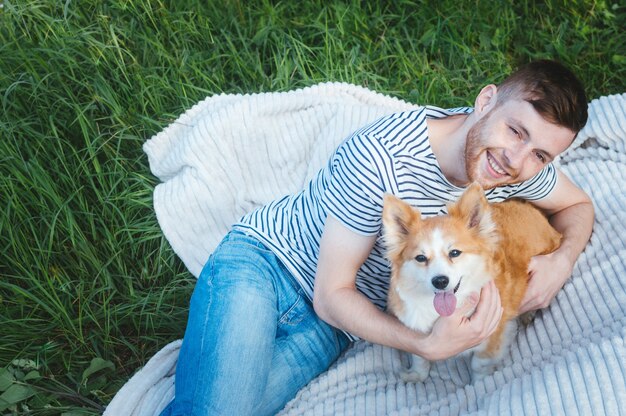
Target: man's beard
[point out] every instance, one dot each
(475, 145)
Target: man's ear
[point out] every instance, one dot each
(486, 100)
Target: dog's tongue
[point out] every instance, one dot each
(445, 303)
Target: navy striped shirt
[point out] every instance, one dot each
(392, 155)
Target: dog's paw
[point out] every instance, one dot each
(482, 367)
(418, 370)
(483, 372)
(411, 376)
(477, 376)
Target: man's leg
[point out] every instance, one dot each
(305, 347)
(228, 346)
(280, 344)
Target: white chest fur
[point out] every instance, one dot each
(418, 313)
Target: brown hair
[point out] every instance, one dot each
(552, 89)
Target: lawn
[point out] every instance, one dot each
(89, 287)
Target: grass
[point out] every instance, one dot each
(89, 288)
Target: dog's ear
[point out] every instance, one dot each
(474, 209)
(399, 218)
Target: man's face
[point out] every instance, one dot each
(512, 143)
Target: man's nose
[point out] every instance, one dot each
(515, 156)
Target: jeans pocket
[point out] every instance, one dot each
(241, 239)
(295, 314)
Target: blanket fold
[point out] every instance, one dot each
(231, 153)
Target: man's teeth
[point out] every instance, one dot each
(495, 166)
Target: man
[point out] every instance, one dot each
(255, 336)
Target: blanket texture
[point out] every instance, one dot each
(231, 153)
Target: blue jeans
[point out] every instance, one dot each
(252, 339)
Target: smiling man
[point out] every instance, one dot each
(516, 130)
(427, 157)
(296, 280)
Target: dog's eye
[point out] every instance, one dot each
(454, 253)
(420, 258)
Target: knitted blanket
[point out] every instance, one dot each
(231, 153)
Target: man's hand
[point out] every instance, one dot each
(456, 333)
(546, 276)
(571, 213)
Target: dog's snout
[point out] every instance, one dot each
(440, 282)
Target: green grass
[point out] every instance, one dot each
(89, 288)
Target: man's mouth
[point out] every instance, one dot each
(496, 168)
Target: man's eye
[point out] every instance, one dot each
(514, 131)
(540, 157)
(420, 258)
(454, 253)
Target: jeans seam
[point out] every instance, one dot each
(209, 283)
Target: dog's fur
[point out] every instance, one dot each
(474, 243)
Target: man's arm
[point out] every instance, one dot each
(571, 212)
(337, 301)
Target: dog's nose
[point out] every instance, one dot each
(440, 282)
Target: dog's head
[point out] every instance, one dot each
(445, 256)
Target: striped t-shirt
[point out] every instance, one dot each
(392, 155)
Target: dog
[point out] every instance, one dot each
(437, 262)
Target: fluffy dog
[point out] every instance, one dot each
(437, 262)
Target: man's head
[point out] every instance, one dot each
(524, 123)
(553, 91)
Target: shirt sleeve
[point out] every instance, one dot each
(539, 186)
(361, 171)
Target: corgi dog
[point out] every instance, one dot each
(437, 262)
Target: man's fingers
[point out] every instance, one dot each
(468, 305)
(524, 307)
(461, 333)
(489, 301)
(496, 321)
(489, 310)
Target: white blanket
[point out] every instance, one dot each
(231, 153)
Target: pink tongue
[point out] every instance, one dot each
(445, 303)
